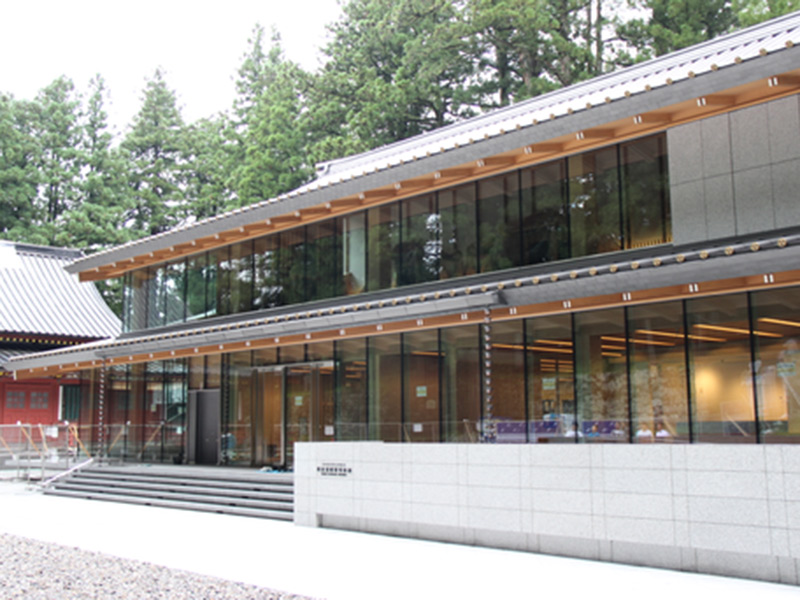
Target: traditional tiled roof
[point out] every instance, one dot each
(39, 298)
(721, 58)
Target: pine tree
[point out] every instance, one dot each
(154, 147)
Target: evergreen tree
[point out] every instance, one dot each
(206, 168)
(61, 160)
(154, 147)
(19, 174)
(270, 133)
(96, 222)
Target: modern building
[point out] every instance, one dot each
(42, 307)
(583, 311)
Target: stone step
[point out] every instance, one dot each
(180, 504)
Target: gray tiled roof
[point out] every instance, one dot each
(725, 61)
(38, 297)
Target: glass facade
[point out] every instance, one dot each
(710, 369)
(605, 200)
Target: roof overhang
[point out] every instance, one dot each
(652, 275)
(732, 72)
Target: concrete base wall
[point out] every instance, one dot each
(720, 509)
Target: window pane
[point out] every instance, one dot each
(776, 318)
(196, 268)
(267, 290)
(721, 381)
(155, 297)
(354, 239)
(646, 192)
(551, 379)
(594, 202)
(459, 232)
(420, 248)
(545, 223)
(174, 410)
(421, 372)
(292, 266)
(385, 385)
(323, 255)
(498, 218)
(658, 373)
(237, 446)
(508, 381)
(219, 291)
(601, 375)
(175, 292)
(241, 277)
(384, 242)
(461, 383)
(351, 420)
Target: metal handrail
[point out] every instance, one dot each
(78, 467)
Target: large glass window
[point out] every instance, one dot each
(461, 383)
(267, 287)
(657, 346)
(354, 253)
(776, 321)
(551, 379)
(241, 277)
(351, 419)
(196, 275)
(508, 381)
(594, 202)
(385, 388)
(645, 186)
(237, 443)
(292, 266)
(421, 363)
(155, 297)
(498, 222)
(601, 375)
(545, 220)
(384, 244)
(719, 364)
(323, 257)
(459, 232)
(175, 292)
(420, 247)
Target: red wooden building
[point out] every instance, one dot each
(43, 307)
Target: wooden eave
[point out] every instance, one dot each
(762, 90)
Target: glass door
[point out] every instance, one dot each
(297, 405)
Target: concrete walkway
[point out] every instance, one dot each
(342, 565)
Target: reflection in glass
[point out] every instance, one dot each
(291, 264)
(354, 253)
(601, 375)
(175, 395)
(545, 223)
(384, 244)
(594, 202)
(420, 247)
(175, 292)
(385, 385)
(508, 381)
(498, 222)
(461, 383)
(459, 232)
(551, 379)
(645, 185)
(267, 285)
(155, 297)
(658, 373)
(719, 367)
(323, 259)
(351, 421)
(241, 277)
(776, 319)
(196, 267)
(238, 423)
(421, 384)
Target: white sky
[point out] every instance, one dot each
(199, 44)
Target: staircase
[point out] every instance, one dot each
(227, 490)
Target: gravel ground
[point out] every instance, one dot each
(35, 570)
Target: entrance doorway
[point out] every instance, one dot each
(296, 405)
